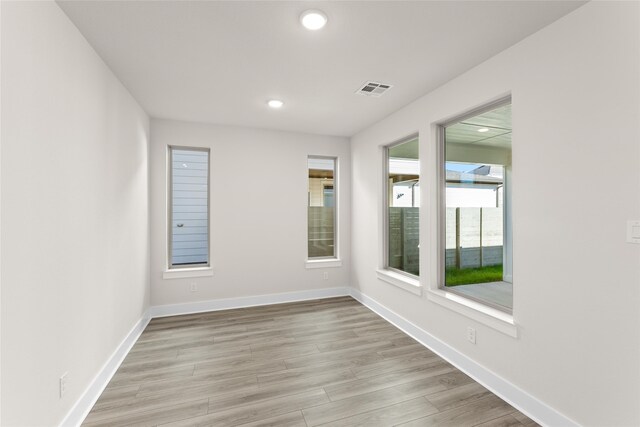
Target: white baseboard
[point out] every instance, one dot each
(252, 301)
(81, 409)
(516, 397)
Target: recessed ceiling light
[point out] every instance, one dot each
(313, 19)
(483, 130)
(275, 103)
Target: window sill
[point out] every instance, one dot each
(323, 263)
(481, 313)
(181, 273)
(409, 284)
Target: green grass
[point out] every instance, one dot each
(467, 276)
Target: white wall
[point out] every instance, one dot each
(75, 248)
(258, 211)
(576, 118)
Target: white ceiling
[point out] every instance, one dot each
(219, 62)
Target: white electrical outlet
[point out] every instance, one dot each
(325, 275)
(63, 384)
(633, 232)
(471, 335)
(194, 287)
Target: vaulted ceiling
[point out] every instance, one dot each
(219, 62)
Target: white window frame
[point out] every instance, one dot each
(192, 270)
(406, 281)
(335, 260)
(479, 311)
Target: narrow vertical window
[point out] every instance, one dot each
(321, 208)
(477, 207)
(402, 190)
(188, 207)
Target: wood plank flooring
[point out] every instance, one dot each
(329, 362)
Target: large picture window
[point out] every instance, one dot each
(321, 208)
(477, 206)
(188, 207)
(402, 204)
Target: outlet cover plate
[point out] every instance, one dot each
(633, 232)
(471, 335)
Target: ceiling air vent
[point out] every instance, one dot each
(373, 89)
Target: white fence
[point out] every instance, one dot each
(474, 237)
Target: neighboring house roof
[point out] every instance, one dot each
(471, 177)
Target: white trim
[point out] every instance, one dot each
(323, 263)
(251, 301)
(518, 398)
(535, 409)
(491, 317)
(83, 405)
(85, 402)
(400, 280)
(181, 273)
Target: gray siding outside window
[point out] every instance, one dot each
(189, 207)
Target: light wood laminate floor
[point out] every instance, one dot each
(329, 362)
